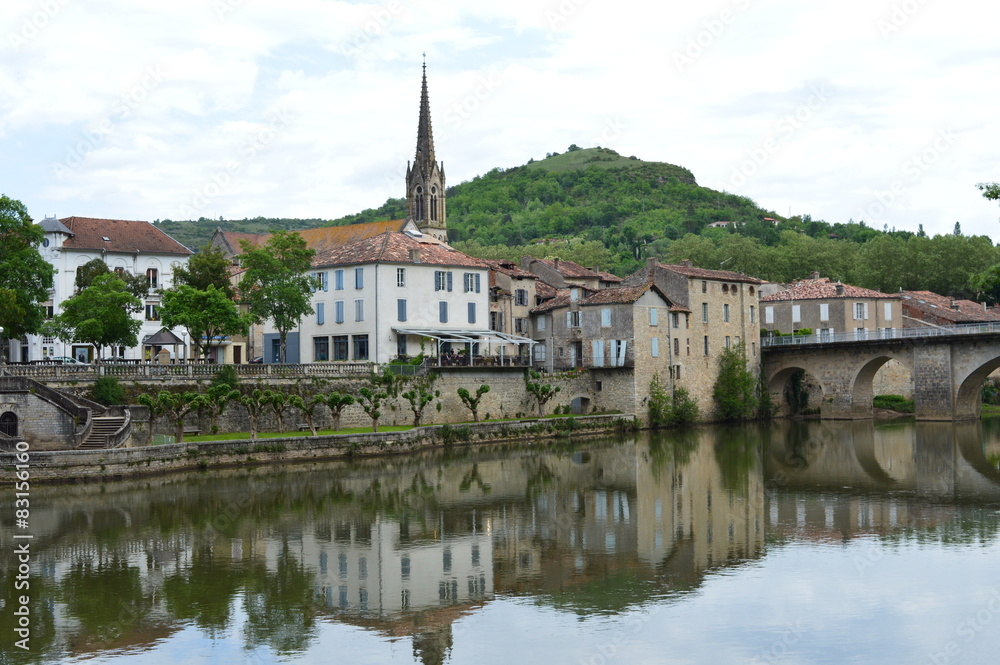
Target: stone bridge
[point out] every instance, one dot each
(948, 367)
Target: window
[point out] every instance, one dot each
(320, 313)
(496, 321)
(704, 286)
(401, 309)
(521, 326)
(769, 315)
(606, 317)
(320, 281)
(443, 312)
(401, 345)
(152, 312)
(400, 276)
(654, 348)
(824, 311)
(796, 313)
(752, 315)
(620, 345)
(677, 346)
(725, 312)
(338, 311)
(860, 311)
(521, 297)
(359, 278)
(340, 347)
(654, 316)
(471, 282)
(597, 348)
(50, 311)
(727, 341)
(359, 309)
(540, 323)
(338, 280)
(153, 277)
(572, 319)
(704, 312)
(675, 320)
(321, 349)
(539, 352)
(574, 295)
(472, 312)
(888, 311)
(706, 345)
(442, 280)
(360, 347)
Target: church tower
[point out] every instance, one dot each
(425, 197)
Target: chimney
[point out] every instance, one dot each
(840, 289)
(414, 255)
(954, 305)
(651, 262)
(814, 274)
(686, 263)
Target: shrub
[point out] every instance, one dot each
(894, 403)
(108, 391)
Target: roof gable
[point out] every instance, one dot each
(396, 247)
(119, 235)
(823, 289)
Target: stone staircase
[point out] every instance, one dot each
(102, 426)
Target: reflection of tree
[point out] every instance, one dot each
(674, 446)
(106, 598)
(431, 647)
(473, 476)
(205, 592)
(279, 606)
(538, 478)
(40, 613)
(737, 451)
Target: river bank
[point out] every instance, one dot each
(71, 466)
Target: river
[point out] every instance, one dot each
(815, 542)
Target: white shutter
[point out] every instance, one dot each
(655, 347)
(769, 315)
(620, 361)
(824, 312)
(598, 350)
(888, 311)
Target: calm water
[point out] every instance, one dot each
(798, 543)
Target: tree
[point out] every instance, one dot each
(279, 403)
(735, 391)
(990, 190)
(420, 394)
(337, 402)
(99, 315)
(209, 267)
(276, 285)
(986, 284)
(217, 398)
(254, 401)
(137, 285)
(472, 402)
(541, 392)
(209, 316)
(371, 402)
(175, 405)
(25, 277)
(307, 405)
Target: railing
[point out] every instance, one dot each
(185, 370)
(884, 334)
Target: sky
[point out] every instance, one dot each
(143, 109)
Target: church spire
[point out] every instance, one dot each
(425, 188)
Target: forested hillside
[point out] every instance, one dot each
(602, 209)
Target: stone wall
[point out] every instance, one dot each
(40, 423)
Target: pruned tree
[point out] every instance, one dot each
(217, 398)
(337, 402)
(307, 406)
(472, 402)
(254, 401)
(174, 405)
(279, 403)
(371, 403)
(541, 392)
(420, 395)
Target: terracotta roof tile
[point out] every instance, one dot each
(705, 273)
(122, 236)
(823, 288)
(940, 306)
(509, 268)
(608, 277)
(395, 248)
(328, 237)
(545, 290)
(569, 268)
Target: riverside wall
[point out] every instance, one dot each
(108, 465)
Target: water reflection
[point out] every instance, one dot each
(405, 547)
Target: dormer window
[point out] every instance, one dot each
(106, 239)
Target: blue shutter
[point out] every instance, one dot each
(472, 312)
(320, 313)
(443, 312)
(401, 309)
(449, 280)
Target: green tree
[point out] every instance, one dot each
(175, 405)
(371, 401)
(137, 285)
(279, 403)
(735, 390)
(108, 391)
(101, 315)
(540, 392)
(209, 267)
(209, 316)
(420, 394)
(307, 406)
(472, 402)
(986, 284)
(25, 277)
(254, 401)
(276, 285)
(990, 190)
(217, 398)
(337, 402)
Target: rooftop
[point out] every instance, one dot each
(394, 247)
(823, 289)
(118, 235)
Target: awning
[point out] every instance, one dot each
(465, 335)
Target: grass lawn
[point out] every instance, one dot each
(991, 409)
(227, 436)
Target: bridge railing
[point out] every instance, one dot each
(884, 333)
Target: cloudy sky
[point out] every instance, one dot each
(144, 109)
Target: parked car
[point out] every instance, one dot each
(258, 360)
(64, 360)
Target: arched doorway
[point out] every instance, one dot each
(8, 423)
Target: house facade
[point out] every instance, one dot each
(135, 247)
(392, 296)
(512, 297)
(828, 308)
(923, 309)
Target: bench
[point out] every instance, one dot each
(303, 427)
(193, 431)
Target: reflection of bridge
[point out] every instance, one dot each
(948, 367)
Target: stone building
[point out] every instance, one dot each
(561, 274)
(826, 308)
(512, 297)
(926, 308)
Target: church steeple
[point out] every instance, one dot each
(425, 188)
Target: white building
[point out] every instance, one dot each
(377, 298)
(138, 248)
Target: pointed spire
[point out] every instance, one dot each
(425, 137)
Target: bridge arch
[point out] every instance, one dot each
(779, 382)
(968, 396)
